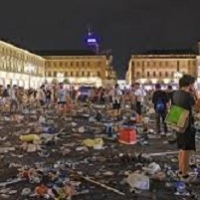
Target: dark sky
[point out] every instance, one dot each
(124, 26)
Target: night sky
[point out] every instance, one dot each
(125, 26)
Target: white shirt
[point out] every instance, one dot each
(13, 94)
(62, 94)
(116, 95)
(140, 94)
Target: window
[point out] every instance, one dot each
(83, 64)
(55, 74)
(61, 64)
(160, 74)
(71, 74)
(148, 74)
(49, 74)
(77, 64)
(88, 74)
(133, 63)
(66, 74)
(138, 74)
(88, 63)
(172, 74)
(66, 64)
(77, 73)
(54, 64)
(82, 73)
(98, 74)
(71, 64)
(166, 74)
(154, 74)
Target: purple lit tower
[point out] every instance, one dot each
(92, 41)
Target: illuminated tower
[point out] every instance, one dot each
(92, 42)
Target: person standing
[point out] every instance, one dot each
(116, 99)
(13, 98)
(62, 99)
(42, 96)
(139, 100)
(160, 101)
(185, 141)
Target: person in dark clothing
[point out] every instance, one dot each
(186, 140)
(160, 101)
(170, 92)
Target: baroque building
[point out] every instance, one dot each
(164, 67)
(20, 67)
(82, 67)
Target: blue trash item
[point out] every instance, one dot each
(47, 129)
(109, 129)
(181, 189)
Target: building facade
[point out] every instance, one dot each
(18, 66)
(164, 69)
(77, 69)
(29, 70)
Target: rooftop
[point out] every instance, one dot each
(170, 52)
(73, 52)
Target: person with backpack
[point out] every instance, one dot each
(160, 101)
(185, 98)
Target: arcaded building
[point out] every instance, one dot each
(164, 67)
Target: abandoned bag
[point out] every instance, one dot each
(177, 119)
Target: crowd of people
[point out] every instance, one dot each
(114, 98)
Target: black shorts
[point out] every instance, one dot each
(116, 106)
(138, 108)
(42, 103)
(61, 102)
(186, 140)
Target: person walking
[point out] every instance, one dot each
(160, 101)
